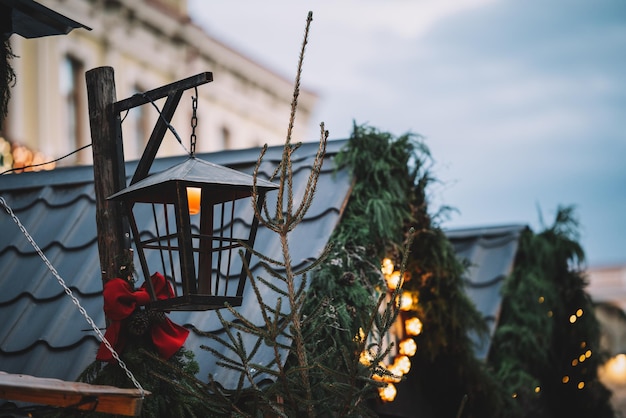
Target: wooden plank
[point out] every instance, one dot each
(55, 392)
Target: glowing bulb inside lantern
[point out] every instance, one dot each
(413, 326)
(193, 199)
(408, 347)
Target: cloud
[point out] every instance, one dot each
(522, 103)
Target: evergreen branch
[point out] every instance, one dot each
(311, 186)
(260, 255)
(273, 287)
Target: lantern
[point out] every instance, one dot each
(198, 253)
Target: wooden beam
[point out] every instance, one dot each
(109, 170)
(83, 396)
(161, 92)
(156, 138)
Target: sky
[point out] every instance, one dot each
(522, 104)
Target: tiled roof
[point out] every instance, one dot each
(42, 332)
(490, 253)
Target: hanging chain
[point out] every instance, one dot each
(69, 292)
(194, 121)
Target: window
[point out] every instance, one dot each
(226, 140)
(139, 120)
(70, 74)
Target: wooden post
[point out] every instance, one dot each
(109, 170)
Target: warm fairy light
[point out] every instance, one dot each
(402, 364)
(406, 301)
(550, 314)
(614, 370)
(514, 395)
(366, 358)
(393, 376)
(193, 198)
(537, 389)
(396, 374)
(572, 319)
(541, 299)
(387, 266)
(575, 362)
(583, 344)
(582, 358)
(360, 336)
(565, 379)
(413, 326)
(393, 280)
(581, 385)
(579, 313)
(588, 353)
(387, 393)
(408, 347)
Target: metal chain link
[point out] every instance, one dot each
(68, 291)
(194, 121)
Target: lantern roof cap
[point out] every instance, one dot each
(196, 172)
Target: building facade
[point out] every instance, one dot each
(148, 43)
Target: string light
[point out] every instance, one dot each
(393, 280)
(388, 393)
(408, 347)
(402, 364)
(413, 326)
(387, 374)
(387, 266)
(365, 358)
(565, 379)
(614, 370)
(50, 163)
(406, 301)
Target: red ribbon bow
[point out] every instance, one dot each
(120, 301)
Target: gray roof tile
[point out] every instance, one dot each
(490, 254)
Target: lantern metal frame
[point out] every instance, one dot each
(205, 259)
(189, 254)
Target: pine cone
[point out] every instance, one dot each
(138, 323)
(348, 278)
(155, 316)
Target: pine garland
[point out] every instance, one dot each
(546, 350)
(388, 198)
(175, 391)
